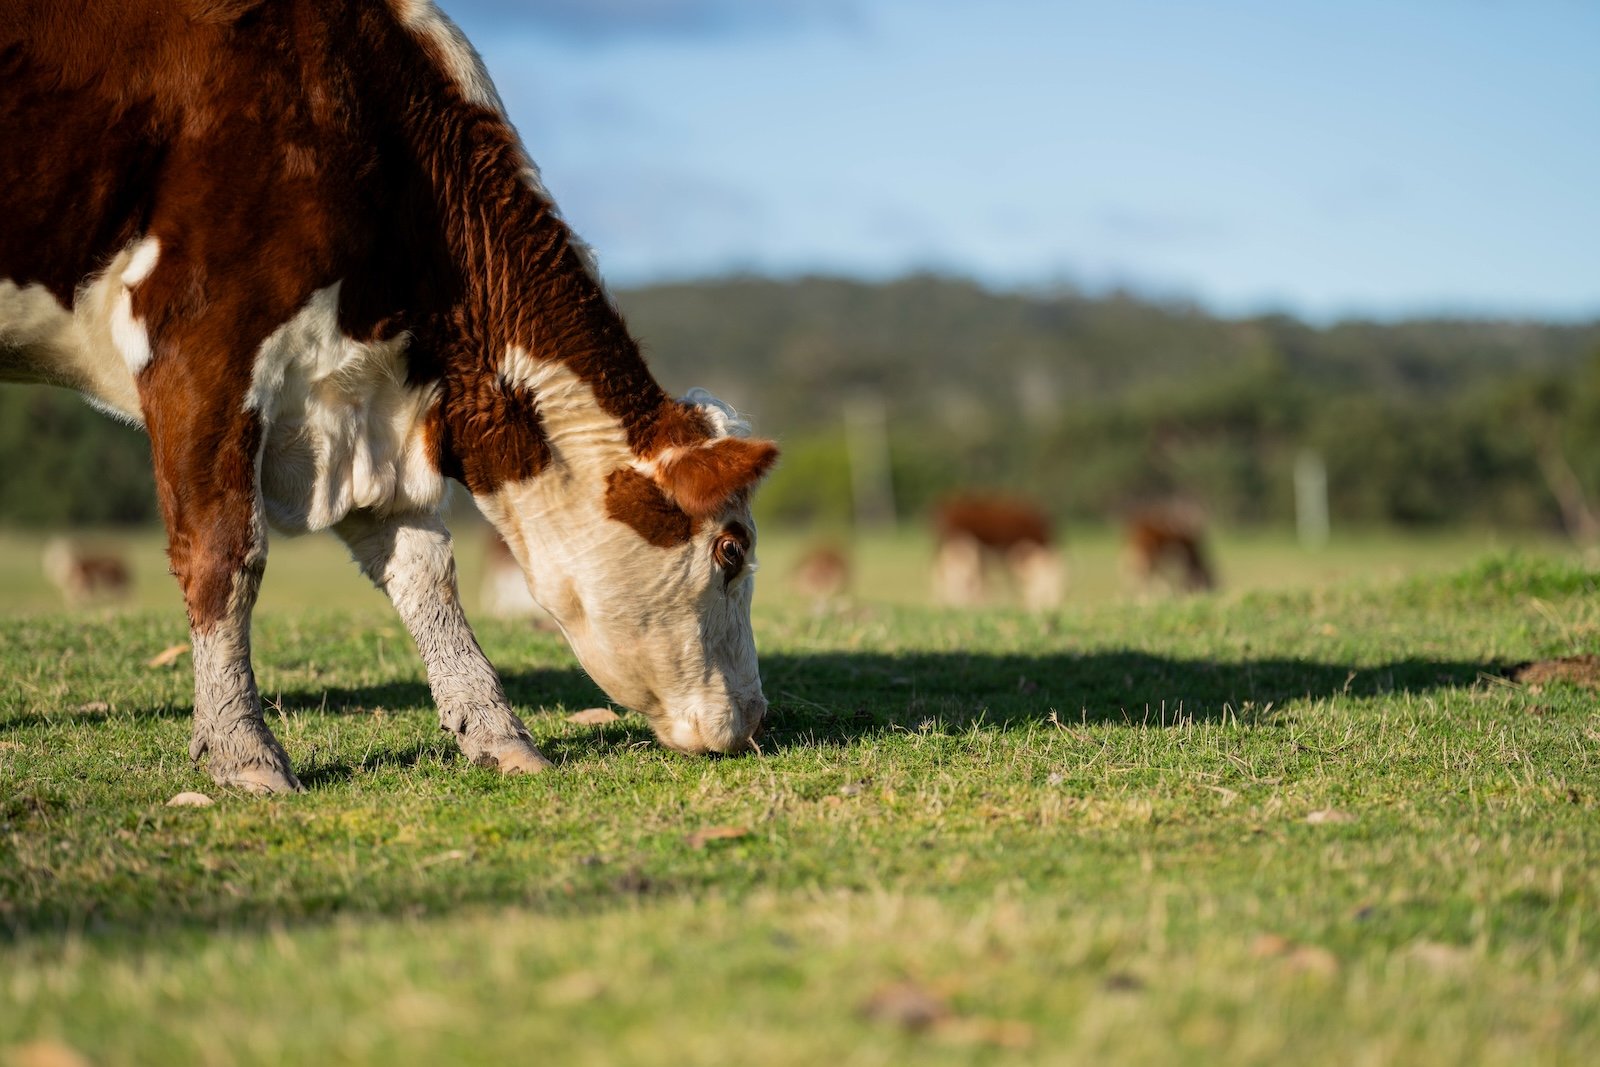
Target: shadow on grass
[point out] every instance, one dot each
(837, 697)
(820, 699)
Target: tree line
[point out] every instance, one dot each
(1088, 403)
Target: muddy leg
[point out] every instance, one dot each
(217, 542)
(409, 558)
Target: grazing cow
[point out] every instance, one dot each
(83, 576)
(975, 532)
(1168, 540)
(821, 574)
(300, 244)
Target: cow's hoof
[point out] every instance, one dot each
(258, 779)
(519, 757)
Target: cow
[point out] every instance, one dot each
(1167, 539)
(301, 245)
(976, 532)
(84, 576)
(821, 574)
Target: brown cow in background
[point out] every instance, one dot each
(1166, 540)
(977, 534)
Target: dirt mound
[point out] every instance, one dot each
(1576, 670)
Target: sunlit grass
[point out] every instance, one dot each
(1313, 824)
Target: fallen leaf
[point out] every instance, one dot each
(700, 837)
(444, 857)
(974, 1030)
(1306, 959)
(167, 656)
(1437, 956)
(1270, 945)
(190, 800)
(1312, 959)
(573, 988)
(906, 1005)
(45, 1054)
(1329, 815)
(593, 716)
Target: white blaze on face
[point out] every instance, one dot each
(661, 629)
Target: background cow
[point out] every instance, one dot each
(85, 575)
(300, 244)
(978, 534)
(1167, 540)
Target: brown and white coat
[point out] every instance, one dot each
(300, 244)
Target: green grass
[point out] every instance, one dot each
(1084, 837)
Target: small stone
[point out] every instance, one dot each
(190, 800)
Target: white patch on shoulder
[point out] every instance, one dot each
(343, 431)
(129, 335)
(97, 346)
(142, 257)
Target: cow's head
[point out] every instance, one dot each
(648, 563)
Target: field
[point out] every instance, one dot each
(1308, 816)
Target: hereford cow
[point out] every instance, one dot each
(300, 244)
(977, 533)
(1168, 540)
(84, 576)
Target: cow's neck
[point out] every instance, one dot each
(529, 298)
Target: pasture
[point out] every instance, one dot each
(1306, 816)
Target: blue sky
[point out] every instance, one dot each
(1377, 158)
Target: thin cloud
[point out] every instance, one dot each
(607, 20)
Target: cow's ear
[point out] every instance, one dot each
(702, 480)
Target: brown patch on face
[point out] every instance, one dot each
(634, 499)
(703, 480)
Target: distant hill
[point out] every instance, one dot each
(789, 351)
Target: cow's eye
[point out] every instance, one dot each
(729, 554)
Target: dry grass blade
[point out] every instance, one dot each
(700, 838)
(593, 716)
(167, 656)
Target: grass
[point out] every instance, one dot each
(1313, 822)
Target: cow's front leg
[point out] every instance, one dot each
(205, 465)
(409, 558)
